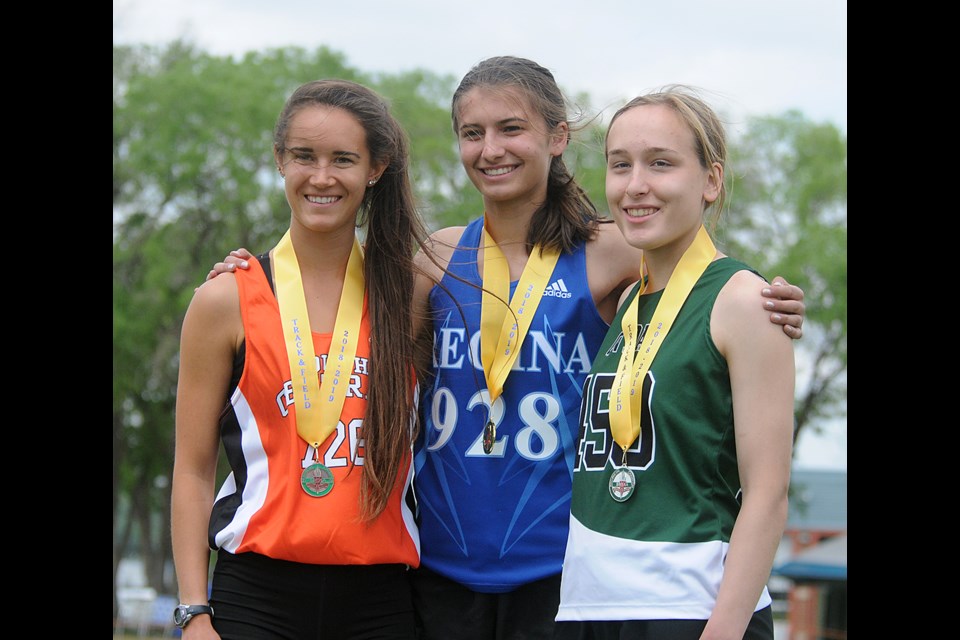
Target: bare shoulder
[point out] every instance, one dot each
(742, 290)
(432, 260)
(612, 265)
(736, 313)
(218, 292)
(439, 248)
(216, 306)
(608, 235)
(609, 248)
(444, 241)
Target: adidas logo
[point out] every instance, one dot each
(557, 289)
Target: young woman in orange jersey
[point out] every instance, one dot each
(302, 368)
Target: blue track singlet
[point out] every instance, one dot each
(496, 521)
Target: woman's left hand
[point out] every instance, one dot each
(785, 301)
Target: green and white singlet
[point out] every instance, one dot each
(660, 553)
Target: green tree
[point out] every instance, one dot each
(420, 101)
(788, 217)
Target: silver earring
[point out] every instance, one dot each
(370, 183)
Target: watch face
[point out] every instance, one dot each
(178, 615)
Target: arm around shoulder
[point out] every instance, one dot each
(612, 266)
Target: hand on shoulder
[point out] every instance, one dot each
(236, 259)
(785, 302)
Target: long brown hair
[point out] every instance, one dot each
(393, 229)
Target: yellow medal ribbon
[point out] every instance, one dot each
(318, 405)
(631, 371)
(502, 333)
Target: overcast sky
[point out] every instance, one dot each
(752, 57)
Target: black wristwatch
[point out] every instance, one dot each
(184, 613)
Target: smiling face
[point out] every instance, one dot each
(326, 167)
(657, 189)
(505, 147)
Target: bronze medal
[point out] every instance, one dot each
(489, 436)
(622, 484)
(317, 480)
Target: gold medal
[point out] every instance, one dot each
(622, 484)
(317, 480)
(489, 436)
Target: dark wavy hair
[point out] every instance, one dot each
(393, 230)
(567, 216)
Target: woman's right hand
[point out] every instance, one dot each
(234, 259)
(200, 628)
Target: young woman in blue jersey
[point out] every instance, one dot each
(495, 456)
(683, 459)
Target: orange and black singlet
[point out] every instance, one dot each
(261, 506)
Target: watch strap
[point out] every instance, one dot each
(185, 612)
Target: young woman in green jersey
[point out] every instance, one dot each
(683, 458)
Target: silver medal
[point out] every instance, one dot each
(622, 484)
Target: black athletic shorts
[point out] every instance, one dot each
(447, 610)
(760, 628)
(258, 598)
